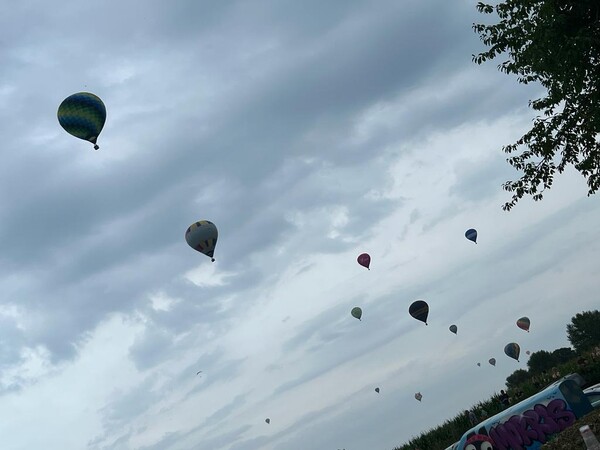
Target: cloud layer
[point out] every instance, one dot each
(309, 132)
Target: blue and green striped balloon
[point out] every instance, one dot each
(83, 115)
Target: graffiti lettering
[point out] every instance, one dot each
(506, 436)
(536, 424)
(549, 424)
(563, 417)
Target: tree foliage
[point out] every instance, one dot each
(584, 330)
(516, 378)
(563, 355)
(557, 44)
(543, 360)
(540, 361)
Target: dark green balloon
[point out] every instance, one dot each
(82, 115)
(356, 312)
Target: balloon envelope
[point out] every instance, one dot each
(528, 352)
(82, 115)
(512, 350)
(492, 361)
(453, 328)
(364, 260)
(419, 310)
(478, 364)
(356, 312)
(268, 420)
(471, 234)
(523, 323)
(418, 396)
(202, 236)
(377, 390)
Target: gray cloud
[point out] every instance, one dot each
(277, 120)
(126, 406)
(225, 411)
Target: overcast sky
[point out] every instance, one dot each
(308, 132)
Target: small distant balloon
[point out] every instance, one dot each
(528, 352)
(364, 260)
(377, 390)
(478, 364)
(471, 234)
(202, 236)
(419, 310)
(418, 396)
(512, 350)
(492, 361)
(82, 115)
(453, 328)
(523, 323)
(356, 312)
(268, 420)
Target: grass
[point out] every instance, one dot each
(570, 439)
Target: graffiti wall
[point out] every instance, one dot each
(529, 424)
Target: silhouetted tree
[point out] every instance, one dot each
(516, 378)
(563, 355)
(540, 361)
(557, 44)
(584, 330)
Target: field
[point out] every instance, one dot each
(570, 439)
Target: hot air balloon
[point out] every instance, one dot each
(492, 361)
(82, 115)
(471, 234)
(419, 310)
(528, 352)
(356, 312)
(268, 420)
(523, 323)
(202, 236)
(364, 260)
(478, 364)
(377, 390)
(512, 350)
(418, 396)
(453, 328)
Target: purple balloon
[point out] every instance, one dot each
(364, 260)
